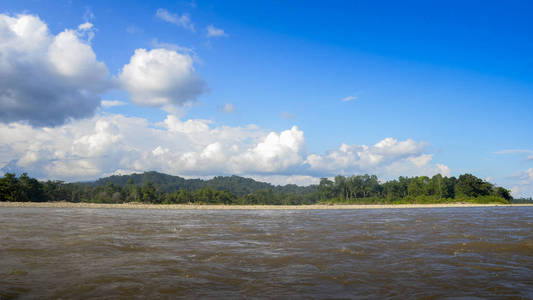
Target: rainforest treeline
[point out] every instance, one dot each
(154, 187)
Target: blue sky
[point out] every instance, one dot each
(449, 83)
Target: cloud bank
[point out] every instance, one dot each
(109, 144)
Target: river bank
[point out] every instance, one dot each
(229, 207)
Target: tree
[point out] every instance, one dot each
(357, 189)
(470, 186)
(32, 190)
(436, 185)
(340, 187)
(148, 192)
(448, 187)
(504, 193)
(393, 190)
(326, 189)
(9, 188)
(415, 187)
(184, 196)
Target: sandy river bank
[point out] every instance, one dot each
(197, 207)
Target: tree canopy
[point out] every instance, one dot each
(154, 187)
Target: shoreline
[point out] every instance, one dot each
(245, 207)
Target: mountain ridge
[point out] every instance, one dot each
(237, 185)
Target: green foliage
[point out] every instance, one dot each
(470, 186)
(153, 187)
(365, 189)
(522, 201)
(9, 188)
(236, 185)
(503, 193)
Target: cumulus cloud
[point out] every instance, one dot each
(161, 78)
(183, 20)
(276, 153)
(47, 79)
(212, 31)
(86, 149)
(389, 157)
(110, 144)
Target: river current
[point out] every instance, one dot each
(421, 253)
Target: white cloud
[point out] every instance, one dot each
(173, 124)
(169, 46)
(275, 153)
(389, 157)
(85, 26)
(522, 181)
(86, 29)
(393, 147)
(529, 174)
(107, 144)
(302, 180)
(88, 148)
(528, 153)
(212, 31)
(524, 187)
(180, 20)
(514, 151)
(161, 78)
(228, 108)
(111, 103)
(443, 170)
(420, 160)
(46, 80)
(349, 98)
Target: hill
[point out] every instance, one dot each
(237, 185)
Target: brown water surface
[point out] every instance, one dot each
(384, 253)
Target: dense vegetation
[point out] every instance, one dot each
(523, 200)
(421, 189)
(153, 187)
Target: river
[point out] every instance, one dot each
(84, 253)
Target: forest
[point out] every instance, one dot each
(154, 187)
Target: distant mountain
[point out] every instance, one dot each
(237, 185)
